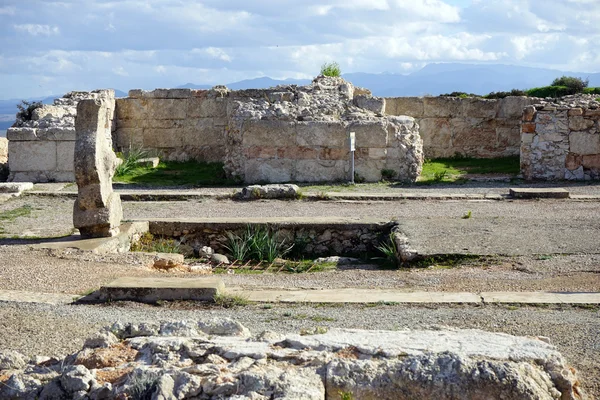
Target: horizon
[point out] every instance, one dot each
(168, 43)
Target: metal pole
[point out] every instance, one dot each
(352, 145)
(352, 167)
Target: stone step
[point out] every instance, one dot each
(539, 193)
(151, 290)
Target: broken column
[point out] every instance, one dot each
(97, 211)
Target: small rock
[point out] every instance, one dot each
(76, 378)
(219, 259)
(10, 359)
(15, 187)
(103, 339)
(151, 162)
(206, 252)
(337, 260)
(203, 269)
(187, 251)
(223, 327)
(168, 260)
(276, 191)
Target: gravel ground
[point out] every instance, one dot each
(54, 330)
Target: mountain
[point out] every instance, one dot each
(256, 83)
(193, 86)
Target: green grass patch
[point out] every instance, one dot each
(11, 215)
(454, 169)
(230, 300)
(172, 173)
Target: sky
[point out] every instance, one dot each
(51, 47)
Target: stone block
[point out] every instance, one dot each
(269, 171)
(151, 162)
(436, 132)
(508, 137)
(436, 107)
(575, 112)
(57, 134)
(260, 152)
(479, 108)
(370, 133)
(166, 108)
(528, 127)
(321, 171)
(179, 93)
(129, 138)
(591, 161)
(472, 132)
(338, 153)
(583, 143)
(573, 161)
(370, 103)
(376, 153)
(21, 134)
(3, 150)
(591, 112)
(130, 108)
(297, 153)
(318, 133)
(48, 111)
(268, 132)
(370, 170)
(529, 114)
(65, 154)
(206, 107)
(411, 106)
(577, 123)
(512, 107)
(203, 132)
(159, 138)
(32, 156)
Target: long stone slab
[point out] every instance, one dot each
(539, 193)
(151, 290)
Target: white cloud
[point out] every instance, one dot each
(35, 29)
(120, 71)
(7, 10)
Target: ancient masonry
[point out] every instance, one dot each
(561, 140)
(97, 211)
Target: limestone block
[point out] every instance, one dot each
(260, 152)
(442, 107)
(129, 138)
(318, 133)
(508, 137)
(373, 104)
(591, 112)
(411, 106)
(528, 127)
(575, 112)
(203, 132)
(573, 161)
(180, 93)
(337, 153)
(577, 123)
(166, 108)
(297, 153)
(473, 132)
(270, 171)
(21, 134)
(591, 161)
(150, 162)
(529, 114)
(370, 133)
(583, 143)
(97, 210)
(370, 170)
(57, 134)
(375, 153)
(268, 132)
(48, 111)
(321, 170)
(130, 108)
(32, 156)
(436, 132)
(512, 107)
(479, 108)
(65, 155)
(206, 107)
(159, 138)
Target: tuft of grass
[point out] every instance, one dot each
(11, 215)
(319, 330)
(230, 300)
(149, 243)
(467, 215)
(390, 251)
(172, 173)
(129, 161)
(331, 69)
(256, 243)
(345, 395)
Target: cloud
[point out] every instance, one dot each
(35, 29)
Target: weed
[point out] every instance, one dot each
(467, 215)
(388, 174)
(439, 176)
(267, 306)
(149, 243)
(129, 160)
(230, 300)
(359, 178)
(26, 109)
(543, 257)
(256, 193)
(323, 196)
(331, 69)
(300, 195)
(256, 243)
(390, 251)
(142, 385)
(321, 318)
(345, 395)
(319, 330)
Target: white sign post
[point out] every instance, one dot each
(352, 145)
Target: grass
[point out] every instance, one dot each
(230, 300)
(331, 69)
(171, 173)
(256, 243)
(11, 215)
(129, 161)
(390, 251)
(467, 215)
(454, 169)
(149, 243)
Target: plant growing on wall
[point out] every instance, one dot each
(26, 109)
(331, 69)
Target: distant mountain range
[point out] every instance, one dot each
(433, 79)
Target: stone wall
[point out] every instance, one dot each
(177, 124)
(42, 149)
(472, 127)
(561, 140)
(3, 159)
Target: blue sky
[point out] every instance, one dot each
(53, 46)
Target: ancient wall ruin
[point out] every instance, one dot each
(561, 140)
(471, 127)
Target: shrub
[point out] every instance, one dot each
(26, 109)
(331, 69)
(501, 95)
(592, 90)
(462, 95)
(388, 174)
(576, 85)
(550, 91)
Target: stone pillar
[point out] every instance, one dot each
(97, 211)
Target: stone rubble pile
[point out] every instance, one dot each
(220, 359)
(577, 100)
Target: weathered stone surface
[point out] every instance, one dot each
(275, 171)
(285, 191)
(321, 133)
(15, 187)
(31, 156)
(10, 359)
(167, 261)
(411, 106)
(443, 363)
(373, 104)
(577, 123)
(97, 210)
(584, 143)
